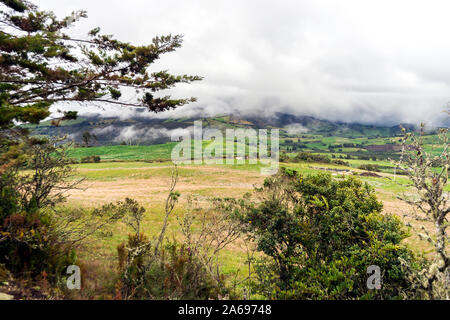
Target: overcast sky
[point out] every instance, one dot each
(368, 61)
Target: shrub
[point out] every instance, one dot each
(340, 162)
(310, 157)
(38, 238)
(91, 159)
(320, 235)
(370, 167)
(171, 270)
(174, 271)
(28, 243)
(284, 157)
(28, 247)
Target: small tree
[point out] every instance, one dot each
(429, 176)
(140, 254)
(39, 178)
(87, 138)
(49, 174)
(319, 236)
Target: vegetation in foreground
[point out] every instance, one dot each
(294, 227)
(308, 236)
(319, 235)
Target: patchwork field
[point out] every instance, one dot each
(356, 151)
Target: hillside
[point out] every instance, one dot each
(148, 131)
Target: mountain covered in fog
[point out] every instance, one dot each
(145, 130)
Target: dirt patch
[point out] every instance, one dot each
(216, 182)
(405, 212)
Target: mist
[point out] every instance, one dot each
(381, 62)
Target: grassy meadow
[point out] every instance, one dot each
(148, 182)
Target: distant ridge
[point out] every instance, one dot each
(152, 131)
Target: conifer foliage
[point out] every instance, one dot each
(41, 64)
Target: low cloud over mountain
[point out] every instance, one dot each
(381, 62)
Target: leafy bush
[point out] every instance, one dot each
(320, 235)
(284, 157)
(310, 157)
(90, 159)
(28, 246)
(340, 162)
(370, 167)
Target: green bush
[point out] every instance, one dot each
(340, 162)
(29, 247)
(91, 159)
(284, 157)
(320, 235)
(310, 157)
(370, 167)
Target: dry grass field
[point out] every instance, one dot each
(148, 183)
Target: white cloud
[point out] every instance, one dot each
(135, 134)
(351, 60)
(295, 128)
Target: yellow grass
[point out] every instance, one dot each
(148, 184)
